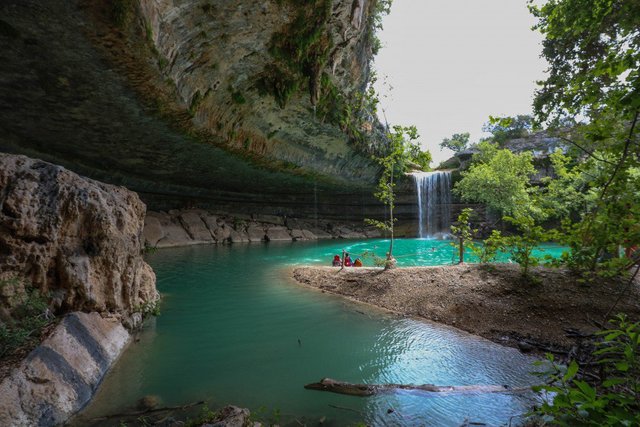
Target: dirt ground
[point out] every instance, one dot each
(555, 313)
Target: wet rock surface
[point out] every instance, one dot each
(60, 376)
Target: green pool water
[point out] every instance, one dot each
(235, 329)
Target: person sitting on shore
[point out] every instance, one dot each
(336, 261)
(347, 260)
(357, 263)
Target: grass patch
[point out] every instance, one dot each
(29, 314)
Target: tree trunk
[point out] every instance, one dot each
(328, 384)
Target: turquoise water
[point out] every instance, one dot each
(235, 329)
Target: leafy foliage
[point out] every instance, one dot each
(593, 48)
(507, 128)
(393, 163)
(521, 245)
(301, 50)
(569, 400)
(457, 142)
(499, 179)
(490, 247)
(463, 232)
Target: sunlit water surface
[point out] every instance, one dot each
(235, 329)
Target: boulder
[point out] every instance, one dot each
(321, 234)
(256, 233)
(223, 233)
(352, 235)
(73, 237)
(299, 234)
(373, 233)
(278, 234)
(59, 377)
(195, 227)
(238, 236)
(174, 233)
(269, 219)
(308, 235)
(153, 231)
(211, 221)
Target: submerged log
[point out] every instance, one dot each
(328, 384)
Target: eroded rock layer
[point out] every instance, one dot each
(169, 104)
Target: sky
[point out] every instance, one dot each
(447, 65)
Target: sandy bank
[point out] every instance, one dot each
(494, 303)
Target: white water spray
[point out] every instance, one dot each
(434, 202)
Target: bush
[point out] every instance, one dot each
(488, 251)
(612, 400)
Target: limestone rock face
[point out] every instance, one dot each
(78, 239)
(220, 57)
(60, 376)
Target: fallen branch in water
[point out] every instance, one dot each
(328, 384)
(148, 411)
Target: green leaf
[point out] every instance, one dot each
(571, 371)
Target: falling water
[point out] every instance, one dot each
(434, 202)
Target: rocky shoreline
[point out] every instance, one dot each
(197, 227)
(552, 315)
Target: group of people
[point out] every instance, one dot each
(347, 262)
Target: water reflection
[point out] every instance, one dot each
(233, 330)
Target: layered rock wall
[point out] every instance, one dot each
(228, 70)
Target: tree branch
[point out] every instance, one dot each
(589, 153)
(625, 154)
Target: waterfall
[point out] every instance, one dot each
(434, 202)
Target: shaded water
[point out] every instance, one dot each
(229, 330)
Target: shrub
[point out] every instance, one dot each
(612, 400)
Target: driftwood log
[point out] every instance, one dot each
(328, 384)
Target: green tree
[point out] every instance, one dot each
(463, 232)
(593, 49)
(457, 142)
(499, 179)
(504, 129)
(393, 163)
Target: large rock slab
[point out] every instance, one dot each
(60, 376)
(195, 227)
(278, 234)
(238, 236)
(73, 237)
(256, 233)
(298, 234)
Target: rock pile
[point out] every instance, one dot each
(194, 227)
